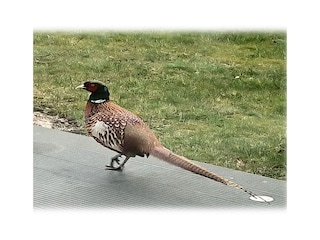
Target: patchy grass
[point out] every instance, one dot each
(213, 97)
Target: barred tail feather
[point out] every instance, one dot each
(182, 162)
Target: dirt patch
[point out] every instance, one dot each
(56, 122)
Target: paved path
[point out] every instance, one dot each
(69, 173)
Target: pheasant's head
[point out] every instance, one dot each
(99, 92)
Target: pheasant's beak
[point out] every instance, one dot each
(81, 86)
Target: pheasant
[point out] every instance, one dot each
(125, 133)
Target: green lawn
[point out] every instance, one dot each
(219, 98)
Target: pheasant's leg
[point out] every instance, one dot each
(115, 158)
(120, 167)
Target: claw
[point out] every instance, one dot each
(120, 168)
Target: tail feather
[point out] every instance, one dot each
(182, 162)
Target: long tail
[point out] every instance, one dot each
(180, 161)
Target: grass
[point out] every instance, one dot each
(219, 97)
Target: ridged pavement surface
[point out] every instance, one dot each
(69, 173)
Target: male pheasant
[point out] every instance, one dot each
(122, 131)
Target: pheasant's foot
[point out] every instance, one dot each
(120, 165)
(119, 168)
(114, 159)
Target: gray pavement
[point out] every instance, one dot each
(69, 172)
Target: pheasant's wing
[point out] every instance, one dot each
(120, 130)
(107, 129)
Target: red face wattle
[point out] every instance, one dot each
(91, 87)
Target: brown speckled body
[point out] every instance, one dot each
(121, 130)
